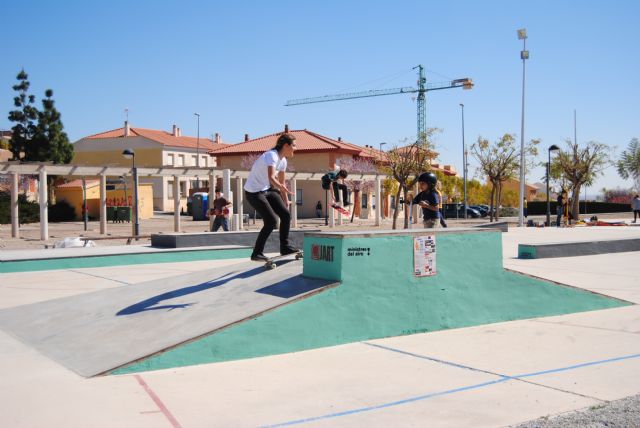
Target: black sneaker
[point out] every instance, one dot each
(259, 257)
(289, 250)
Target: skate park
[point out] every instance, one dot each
(347, 336)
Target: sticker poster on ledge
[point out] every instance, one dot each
(424, 255)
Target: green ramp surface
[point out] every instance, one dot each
(380, 297)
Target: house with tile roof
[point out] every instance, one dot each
(153, 148)
(314, 153)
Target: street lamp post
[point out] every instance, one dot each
(381, 204)
(551, 148)
(524, 55)
(130, 154)
(464, 164)
(198, 151)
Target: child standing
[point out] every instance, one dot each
(428, 200)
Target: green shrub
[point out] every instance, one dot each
(28, 212)
(61, 211)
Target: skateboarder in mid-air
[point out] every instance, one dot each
(335, 180)
(429, 200)
(267, 193)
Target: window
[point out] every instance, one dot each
(205, 161)
(298, 196)
(183, 189)
(171, 159)
(180, 160)
(365, 199)
(170, 189)
(194, 160)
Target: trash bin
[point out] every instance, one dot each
(199, 206)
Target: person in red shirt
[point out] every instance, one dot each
(221, 212)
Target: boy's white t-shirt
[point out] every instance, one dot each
(258, 180)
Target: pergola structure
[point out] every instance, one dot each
(15, 169)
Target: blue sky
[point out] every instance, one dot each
(236, 63)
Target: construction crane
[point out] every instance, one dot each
(422, 89)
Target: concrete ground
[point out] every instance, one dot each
(117, 234)
(491, 375)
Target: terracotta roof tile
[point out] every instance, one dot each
(162, 137)
(78, 184)
(306, 141)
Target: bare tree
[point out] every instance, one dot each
(354, 166)
(405, 164)
(580, 166)
(499, 162)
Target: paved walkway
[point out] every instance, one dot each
(492, 375)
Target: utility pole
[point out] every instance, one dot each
(524, 55)
(464, 162)
(198, 152)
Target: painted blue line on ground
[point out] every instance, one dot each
(391, 404)
(450, 391)
(578, 366)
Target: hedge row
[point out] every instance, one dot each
(540, 207)
(29, 212)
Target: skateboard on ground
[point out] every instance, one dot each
(271, 263)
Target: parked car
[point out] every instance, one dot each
(457, 211)
(483, 212)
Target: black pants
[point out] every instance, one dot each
(270, 206)
(336, 192)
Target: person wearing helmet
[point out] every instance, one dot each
(428, 200)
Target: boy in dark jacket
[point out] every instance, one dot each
(429, 200)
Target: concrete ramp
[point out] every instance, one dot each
(382, 294)
(577, 248)
(97, 332)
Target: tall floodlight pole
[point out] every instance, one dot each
(464, 164)
(382, 144)
(198, 151)
(551, 149)
(524, 55)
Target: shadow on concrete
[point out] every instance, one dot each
(291, 287)
(150, 304)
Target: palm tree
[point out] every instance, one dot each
(629, 163)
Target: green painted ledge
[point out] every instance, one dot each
(380, 297)
(121, 259)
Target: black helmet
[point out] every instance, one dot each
(428, 177)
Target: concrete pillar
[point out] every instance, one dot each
(240, 201)
(332, 216)
(226, 183)
(15, 219)
(236, 223)
(294, 203)
(176, 203)
(378, 200)
(103, 204)
(212, 187)
(44, 214)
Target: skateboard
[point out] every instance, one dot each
(271, 263)
(340, 209)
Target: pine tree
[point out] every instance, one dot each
(24, 116)
(50, 143)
